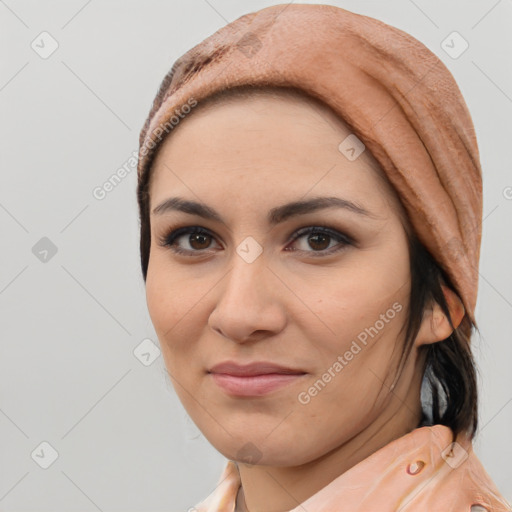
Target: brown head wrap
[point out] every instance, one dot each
(394, 93)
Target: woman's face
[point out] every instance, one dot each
(322, 291)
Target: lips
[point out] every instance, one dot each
(254, 379)
(252, 369)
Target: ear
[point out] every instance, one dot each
(435, 325)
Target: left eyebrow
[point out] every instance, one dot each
(275, 216)
(286, 211)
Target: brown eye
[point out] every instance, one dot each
(321, 240)
(188, 240)
(199, 241)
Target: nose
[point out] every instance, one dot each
(249, 305)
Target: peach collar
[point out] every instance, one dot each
(417, 472)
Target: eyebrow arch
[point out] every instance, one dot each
(275, 215)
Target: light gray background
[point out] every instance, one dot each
(70, 324)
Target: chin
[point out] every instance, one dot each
(277, 453)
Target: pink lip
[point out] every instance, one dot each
(255, 379)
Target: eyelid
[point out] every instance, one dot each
(324, 229)
(172, 234)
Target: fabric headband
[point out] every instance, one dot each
(397, 96)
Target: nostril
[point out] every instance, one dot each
(478, 508)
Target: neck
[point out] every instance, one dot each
(284, 488)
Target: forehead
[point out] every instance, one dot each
(278, 137)
(253, 117)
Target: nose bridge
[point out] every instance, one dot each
(246, 279)
(246, 302)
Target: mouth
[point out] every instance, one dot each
(254, 379)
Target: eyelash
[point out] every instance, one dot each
(168, 239)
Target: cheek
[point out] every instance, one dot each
(351, 387)
(169, 293)
(173, 302)
(173, 308)
(364, 309)
(347, 302)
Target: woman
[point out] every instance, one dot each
(310, 237)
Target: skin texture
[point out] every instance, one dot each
(291, 305)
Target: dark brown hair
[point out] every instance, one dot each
(449, 381)
(449, 390)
